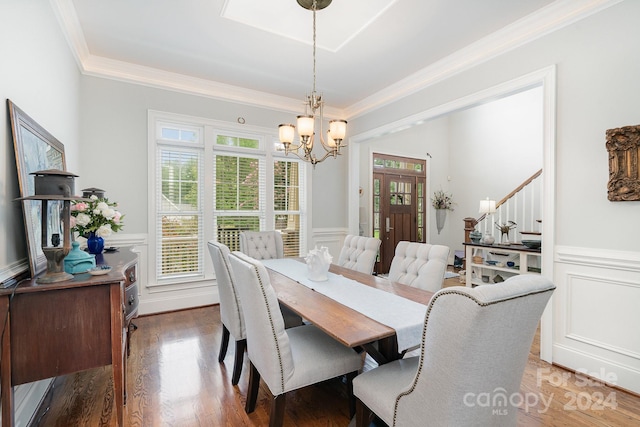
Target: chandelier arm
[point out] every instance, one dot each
(304, 158)
(293, 147)
(323, 158)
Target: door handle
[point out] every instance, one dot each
(388, 227)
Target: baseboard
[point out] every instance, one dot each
(617, 375)
(159, 302)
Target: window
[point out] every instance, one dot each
(213, 180)
(286, 202)
(239, 191)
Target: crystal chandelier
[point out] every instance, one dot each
(313, 109)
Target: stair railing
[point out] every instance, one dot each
(522, 206)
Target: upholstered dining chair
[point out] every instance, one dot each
(230, 308)
(359, 253)
(475, 346)
(420, 265)
(262, 244)
(285, 359)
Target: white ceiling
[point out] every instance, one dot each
(369, 51)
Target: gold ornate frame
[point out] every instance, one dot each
(623, 145)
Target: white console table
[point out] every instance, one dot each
(526, 261)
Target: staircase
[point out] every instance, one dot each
(523, 206)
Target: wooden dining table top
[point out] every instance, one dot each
(346, 325)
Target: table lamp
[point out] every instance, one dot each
(487, 208)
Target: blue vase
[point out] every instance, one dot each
(95, 244)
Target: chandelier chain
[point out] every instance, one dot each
(314, 7)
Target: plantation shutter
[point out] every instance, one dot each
(287, 204)
(179, 226)
(239, 196)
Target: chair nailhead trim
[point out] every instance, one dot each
(424, 333)
(273, 331)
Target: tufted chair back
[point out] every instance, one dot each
(420, 265)
(262, 244)
(359, 253)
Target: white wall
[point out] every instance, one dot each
(596, 257)
(39, 74)
(494, 148)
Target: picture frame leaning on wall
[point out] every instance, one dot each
(35, 150)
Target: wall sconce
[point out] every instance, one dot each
(54, 188)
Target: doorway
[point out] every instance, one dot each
(398, 204)
(546, 78)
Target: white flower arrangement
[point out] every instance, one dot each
(97, 216)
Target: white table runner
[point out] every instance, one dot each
(401, 314)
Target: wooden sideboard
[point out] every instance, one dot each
(60, 328)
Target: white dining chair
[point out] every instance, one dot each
(420, 265)
(262, 244)
(359, 253)
(475, 345)
(286, 360)
(230, 308)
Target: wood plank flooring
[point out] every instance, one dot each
(174, 379)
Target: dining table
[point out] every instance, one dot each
(361, 311)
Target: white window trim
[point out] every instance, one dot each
(267, 138)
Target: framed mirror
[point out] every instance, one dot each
(35, 150)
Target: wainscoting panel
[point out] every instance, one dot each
(599, 306)
(156, 298)
(332, 238)
(597, 313)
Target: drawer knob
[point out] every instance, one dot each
(132, 276)
(132, 299)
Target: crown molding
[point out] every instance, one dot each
(545, 21)
(548, 19)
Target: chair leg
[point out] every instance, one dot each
(363, 414)
(223, 344)
(276, 418)
(352, 400)
(241, 345)
(252, 392)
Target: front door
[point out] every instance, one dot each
(398, 204)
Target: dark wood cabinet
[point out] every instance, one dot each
(60, 328)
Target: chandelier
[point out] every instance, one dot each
(313, 109)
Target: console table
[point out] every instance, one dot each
(526, 261)
(60, 328)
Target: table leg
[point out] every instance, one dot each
(385, 352)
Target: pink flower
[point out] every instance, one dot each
(80, 207)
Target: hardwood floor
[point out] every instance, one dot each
(174, 379)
